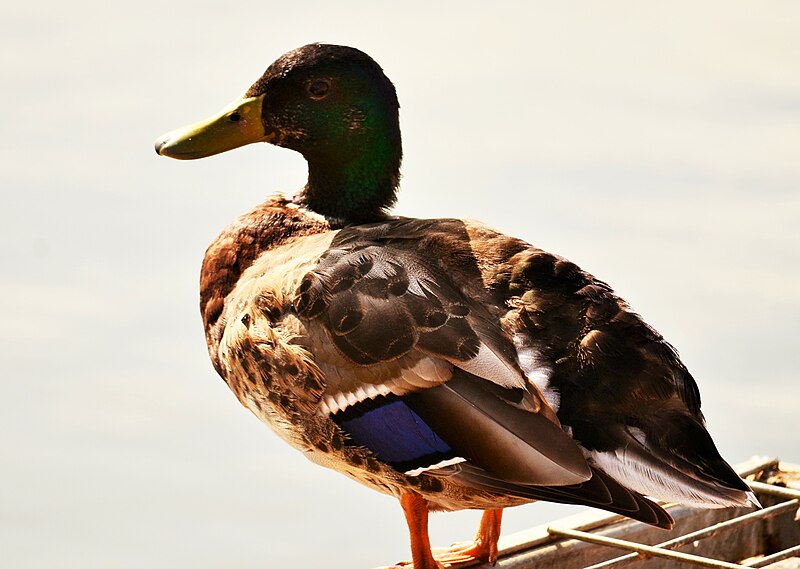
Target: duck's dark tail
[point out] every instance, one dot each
(676, 462)
(600, 491)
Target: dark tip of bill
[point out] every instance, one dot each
(160, 144)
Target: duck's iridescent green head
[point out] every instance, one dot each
(334, 105)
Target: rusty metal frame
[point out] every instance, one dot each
(641, 551)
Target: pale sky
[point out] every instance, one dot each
(656, 145)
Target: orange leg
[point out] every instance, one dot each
(415, 507)
(483, 549)
(488, 535)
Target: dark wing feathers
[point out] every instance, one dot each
(512, 444)
(375, 282)
(377, 310)
(379, 301)
(417, 288)
(615, 372)
(600, 491)
(462, 419)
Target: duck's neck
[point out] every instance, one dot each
(356, 189)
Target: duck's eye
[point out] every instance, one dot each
(235, 117)
(319, 88)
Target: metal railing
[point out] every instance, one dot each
(666, 549)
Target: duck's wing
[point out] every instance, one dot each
(418, 368)
(600, 491)
(462, 323)
(616, 383)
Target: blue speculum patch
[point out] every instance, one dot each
(396, 434)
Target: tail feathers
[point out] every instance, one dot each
(600, 491)
(643, 465)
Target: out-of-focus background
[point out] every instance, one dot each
(656, 145)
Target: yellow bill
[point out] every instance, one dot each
(238, 124)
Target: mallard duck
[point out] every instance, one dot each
(436, 360)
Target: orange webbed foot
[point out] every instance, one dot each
(484, 549)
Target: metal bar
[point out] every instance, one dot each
(775, 557)
(779, 491)
(710, 531)
(646, 549)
